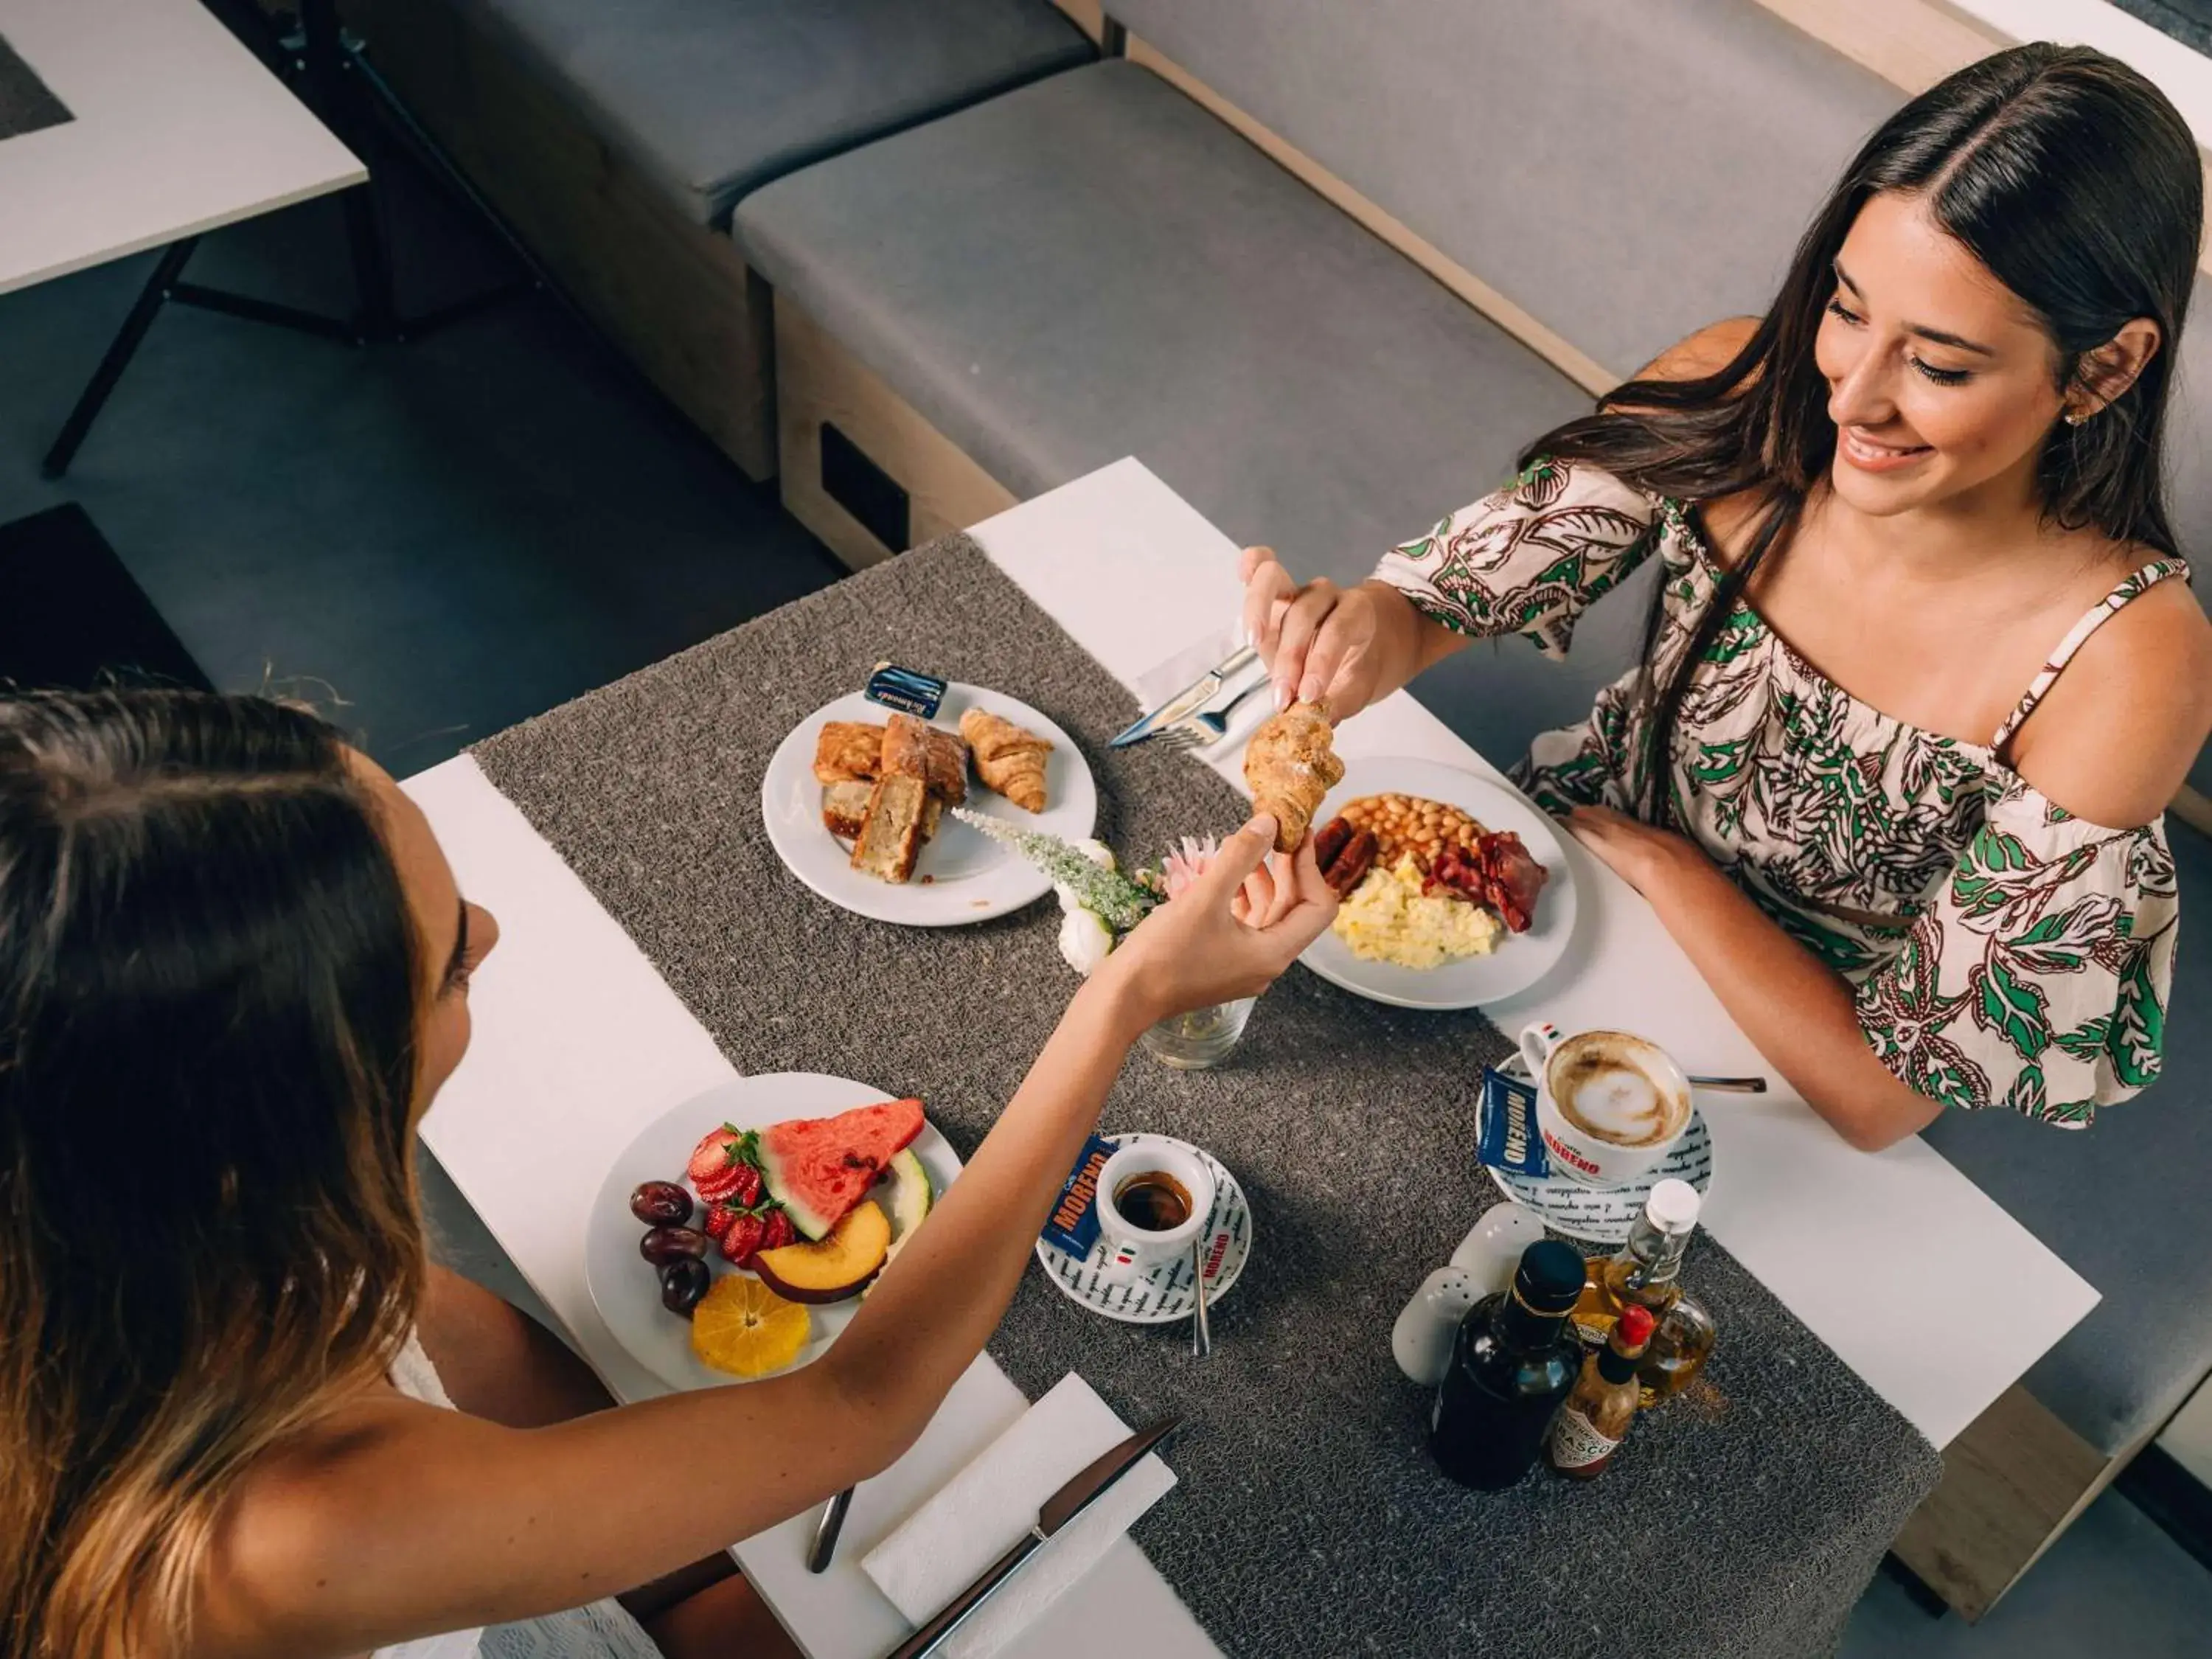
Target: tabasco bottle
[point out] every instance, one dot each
(1595, 1420)
(1512, 1362)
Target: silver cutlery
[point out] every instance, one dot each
(825, 1533)
(1062, 1507)
(1730, 1085)
(1208, 726)
(1188, 700)
(1201, 1335)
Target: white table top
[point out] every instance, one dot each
(577, 1035)
(178, 129)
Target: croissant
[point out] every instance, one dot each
(1007, 758)
(1290, 768)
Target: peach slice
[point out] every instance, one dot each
(839, 1266)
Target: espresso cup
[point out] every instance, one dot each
(1609, 1106)
(1144, 1184)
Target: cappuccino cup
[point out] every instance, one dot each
(1152, 1200)
(1609, 1106)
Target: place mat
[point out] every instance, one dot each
(1744, 1519)
(26, 106)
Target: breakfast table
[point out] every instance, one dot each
(630, 980)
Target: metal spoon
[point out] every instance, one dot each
(1201, 1335)
(1730, 1085)
(825, 1534)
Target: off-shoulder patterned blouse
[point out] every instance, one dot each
(2004, 952)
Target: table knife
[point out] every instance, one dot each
(824, 1549)
(1188, 700)
(1062, 1507)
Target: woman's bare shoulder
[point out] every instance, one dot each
(2116, 733)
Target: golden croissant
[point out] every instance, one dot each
(1290, 767)
(1007, 758)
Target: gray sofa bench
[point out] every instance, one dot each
(1098, 265)
(614, 136)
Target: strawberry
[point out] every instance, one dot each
(745, 1194)
(718, 1221)
(778, 1230)
(720, 1169)
(743, 1240)
(714, 1152)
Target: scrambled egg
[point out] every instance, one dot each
(1389, 919)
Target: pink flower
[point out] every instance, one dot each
(1186, 863)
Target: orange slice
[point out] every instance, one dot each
(742, 1326)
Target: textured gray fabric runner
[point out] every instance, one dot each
(1743, 1519)
(26, 105)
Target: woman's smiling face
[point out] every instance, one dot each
(1942, 385)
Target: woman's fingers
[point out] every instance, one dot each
(1268, 591)
(1295, 637)
(1336, 651)
(1256, 900)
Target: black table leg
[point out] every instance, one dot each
(158, 288)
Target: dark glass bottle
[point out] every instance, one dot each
(1512, 1364)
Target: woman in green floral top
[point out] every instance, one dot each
(1924, 666)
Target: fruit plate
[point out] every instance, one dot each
(962, 875)
(1165, 1292)
(1520, 959)
(626, 1288)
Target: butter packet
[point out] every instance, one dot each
(1074, 1224)
(906, 690)
(1506, 1135)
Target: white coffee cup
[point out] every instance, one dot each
(1609, 1105)
(1131, 1250)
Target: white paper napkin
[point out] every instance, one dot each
(1163, 679)
(945, 1546)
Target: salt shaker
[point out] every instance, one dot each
(1493, 1249)
(1421, 1340)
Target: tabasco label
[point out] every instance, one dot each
(1577, 1443)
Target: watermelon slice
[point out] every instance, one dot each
(819, 1168)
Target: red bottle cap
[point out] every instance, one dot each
(1636, 1325)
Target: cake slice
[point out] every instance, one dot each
(891, 833)
(849, 752)
(845, 807)
(937, 756)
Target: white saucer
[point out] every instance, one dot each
(1520, 959)
(962, 875)
(1604, 1215)
(1164, 1293)
(626, 1288)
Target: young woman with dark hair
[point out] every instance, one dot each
(1924, 667)
(233, 971)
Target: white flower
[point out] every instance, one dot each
(1084, 940)
(1097, 852)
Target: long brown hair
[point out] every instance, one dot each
(2076, 183)
(209, 1225)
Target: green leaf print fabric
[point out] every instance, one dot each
(2004, 952)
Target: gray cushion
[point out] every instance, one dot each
(2118, 1202)
(1093, 267)
(715, 97)
(1626, 172)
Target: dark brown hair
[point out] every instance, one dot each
(2077, 184)
(210, 988)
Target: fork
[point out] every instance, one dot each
(1209, 727)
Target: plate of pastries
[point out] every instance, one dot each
(859, 802)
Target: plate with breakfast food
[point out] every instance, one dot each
(1455, 890)
(859, 803)
(733, 1238)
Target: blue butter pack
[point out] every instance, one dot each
(1074, 1224)
(905, 689)
(1506, 1138)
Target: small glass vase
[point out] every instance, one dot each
(1200, 1038)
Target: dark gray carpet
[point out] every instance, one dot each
(26, 103)
(1746, 1519)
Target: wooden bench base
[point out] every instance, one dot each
(676, 295)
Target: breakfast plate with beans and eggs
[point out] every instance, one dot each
(1455, 890)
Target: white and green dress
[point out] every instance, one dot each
(2004, 952)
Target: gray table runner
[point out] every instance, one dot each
(26, 105)
(1743, 1519)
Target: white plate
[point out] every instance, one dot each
(1164, 1293)
(1604, 1215)
(969, 877)
(626, 1288)
(1520, 959)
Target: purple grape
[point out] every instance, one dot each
(661, 1204)
(683, 1282)
(666, 1244)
